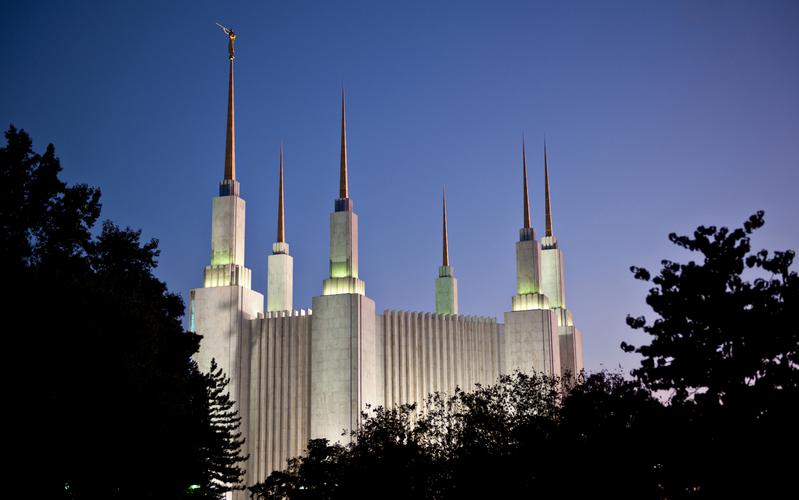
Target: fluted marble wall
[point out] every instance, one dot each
(279, 391)
(416, 354)
(423, 353)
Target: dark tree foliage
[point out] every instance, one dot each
(723, 349)
(519, 438)
(220, 442)
(726, 350)
(105, 392)
(718, 337)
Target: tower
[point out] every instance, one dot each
(344, 367)
(227, 227)
(552, 257)
(343, 230)
(531, 338)
(446, 284)
(222, 310)
(552, 283)
(528, 259)
(280, 277)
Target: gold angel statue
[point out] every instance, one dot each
(231, 38)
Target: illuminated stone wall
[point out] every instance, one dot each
(552, 273)
(446, 291)
(344, 374)
(531, 342)
(422, 353)
(226, 318)
(280, 279)
(227, 231)
(279, 422)
(571, 350)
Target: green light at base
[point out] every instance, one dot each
(221, 258)
(340, 270)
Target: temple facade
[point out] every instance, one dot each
(298, 375)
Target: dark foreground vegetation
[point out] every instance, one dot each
(106, 401)
(107, 404)
(710, 413)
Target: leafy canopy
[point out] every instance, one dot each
(720, 337)
(105, 391)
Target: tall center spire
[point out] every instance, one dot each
(526, 194)
(546, 194)
(445, 260)
(228, 212)
(230, 141)
(343, 188)
(281, 235)
(343, 231)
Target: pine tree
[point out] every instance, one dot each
(221, 441)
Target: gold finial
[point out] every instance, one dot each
(526, 195)
(281, 234)
(342, 187)
(445, 261)
(230, 141)
(546, 194)
(231, 38)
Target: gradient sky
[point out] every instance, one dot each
(659, 116)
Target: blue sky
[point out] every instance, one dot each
(659, 116)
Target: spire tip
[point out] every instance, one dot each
(343, 184)
(281, 229)
(547, 203)
(445, 259)
(230, 139)
(526, 194)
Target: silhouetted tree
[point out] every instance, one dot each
(317, 474)
(220, 440)
(104, 391)
(42, 220)
(518, 438)
(726, 349)
(720, 338)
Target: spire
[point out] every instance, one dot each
(445, 261)
(343, 189)
(526, 195)
(546, 194)
(281, 235)
(230, 142)
(280, 275)
(446, 284)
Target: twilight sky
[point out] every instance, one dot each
(659, 116)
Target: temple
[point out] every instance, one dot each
(305, 374)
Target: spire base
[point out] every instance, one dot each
(343, 205)
(229, 187)
(529, 302)
(445, 271)
(280, 248)
(526, 234)
(227, 275)
(549, 242)
(340, 286)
